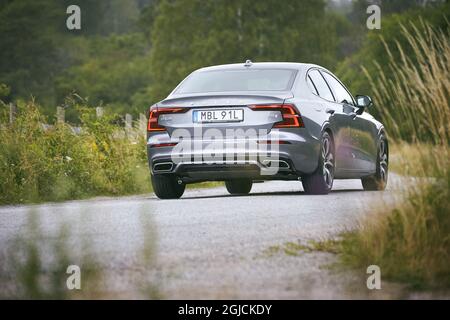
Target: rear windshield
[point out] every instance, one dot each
(238, 80)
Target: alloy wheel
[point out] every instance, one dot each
(328, 161)
(383, 160)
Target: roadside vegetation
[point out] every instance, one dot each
(411, 242)
(53, 163)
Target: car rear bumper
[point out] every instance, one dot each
(296, 155)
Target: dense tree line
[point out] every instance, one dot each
(131, 53)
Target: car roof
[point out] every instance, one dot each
(260, 65)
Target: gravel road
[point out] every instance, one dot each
(210, 244)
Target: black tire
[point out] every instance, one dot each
(378, 181)
(239, 186)
(321, 180)
(167, 187)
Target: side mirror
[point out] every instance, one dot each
(363, 101)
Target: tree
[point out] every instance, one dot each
(374, 46)
(188, 34)
(29, 45)
(114, 69)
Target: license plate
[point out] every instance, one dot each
(221, 115)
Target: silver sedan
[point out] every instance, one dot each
(248, 122)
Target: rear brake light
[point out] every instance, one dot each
(291, 117)
(154, 114)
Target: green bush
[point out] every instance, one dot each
(55, 163)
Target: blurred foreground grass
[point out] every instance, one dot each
(34, 263)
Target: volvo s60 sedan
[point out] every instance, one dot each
(250, 122)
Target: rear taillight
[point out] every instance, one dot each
(154, 114)
(291, 117)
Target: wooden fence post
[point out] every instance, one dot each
(99, 112)
(60, 115)
(142, 123)
(128, 122)
(12, 113)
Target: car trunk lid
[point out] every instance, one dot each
(238, 102)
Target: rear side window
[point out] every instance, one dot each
(341, 94)
(320, 85)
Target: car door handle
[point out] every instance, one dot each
(330, 111)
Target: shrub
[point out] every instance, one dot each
(41, 163)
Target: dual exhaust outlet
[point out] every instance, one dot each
(168, 166)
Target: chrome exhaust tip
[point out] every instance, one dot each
(163, 167)
(282, 165)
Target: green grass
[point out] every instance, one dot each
(410, 243)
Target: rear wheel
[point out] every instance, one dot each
(321, 180)
(379, 180)
(239, 186)
(167, 187)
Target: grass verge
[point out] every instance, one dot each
(410, 243)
